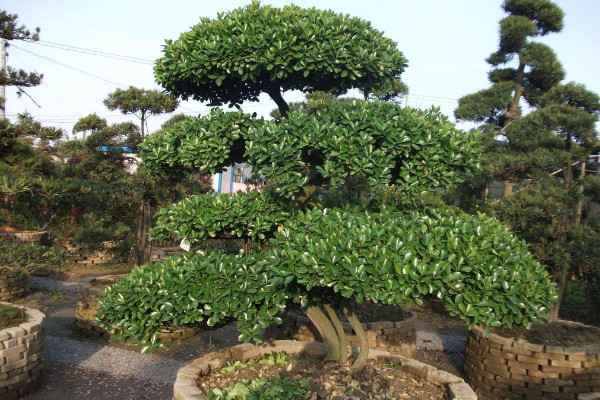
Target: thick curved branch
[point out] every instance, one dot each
(327, 331)
(275, 93)
(337, 324)
(361, 359)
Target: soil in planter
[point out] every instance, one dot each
(553, 334)
(312, 379)
(11, 316)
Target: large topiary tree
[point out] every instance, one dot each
(315, 257)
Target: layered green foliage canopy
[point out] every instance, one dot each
(481, 270)
(258, 49)
(412, 149)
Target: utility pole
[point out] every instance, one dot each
(3, 87)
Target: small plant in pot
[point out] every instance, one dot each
(373, 249)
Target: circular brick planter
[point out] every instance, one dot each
(517, 369)
(12, 283)
(186, 386)
(89, 293)
(394, 337)
(21, 349)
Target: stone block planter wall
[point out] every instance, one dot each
(21, 349)
(12, 284)
(394, 337)
(517, 369)
(23, 237)
(158, 254)
(186, 386)
(81, 254)
(89, 292)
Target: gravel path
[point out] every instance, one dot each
(117, 362)
(48, 284)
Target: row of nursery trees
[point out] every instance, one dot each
(84, 189)
(351, 211)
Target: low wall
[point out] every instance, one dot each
(81, 254)
(21, 350)
(186, 385)
(89, 293)
(12, 284)
(517, 369)
(23, 237)
(394, 337)
(158, 254)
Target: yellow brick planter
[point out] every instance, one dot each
(516, 369)
(394, 337)
(21, 349)
(186, 385)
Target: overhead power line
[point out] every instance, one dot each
(92, 52)
(70, 67)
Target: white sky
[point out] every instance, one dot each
(446, 43)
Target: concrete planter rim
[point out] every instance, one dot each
(186, 388)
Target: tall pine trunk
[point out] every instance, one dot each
(561, 236)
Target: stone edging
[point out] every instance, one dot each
(88, 295)
(395, 337)
(518, 369)
(21, 349)
(12, 283)
(186, 388)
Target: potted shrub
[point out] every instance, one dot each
(387, 245)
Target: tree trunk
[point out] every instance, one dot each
(3, 87)
(327, 331)
(143, 119)
(301, 197)
(579, 208)
(561, 236)
(514, 111)
(562, 284)
(143, 220)
(363, 354)
(275, 92)
(507, 188)
(339, 328)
